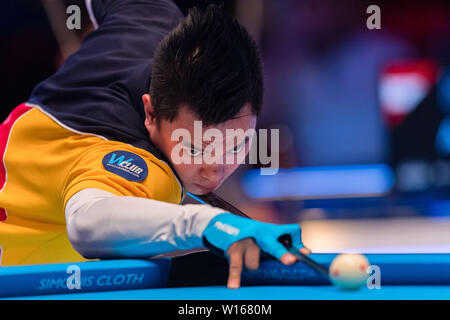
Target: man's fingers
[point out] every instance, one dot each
(235, 254)
(251, 256)
(247, 252)
(305, 250)
(288, 259)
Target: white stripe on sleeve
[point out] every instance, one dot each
(91, 13)
(103, 225)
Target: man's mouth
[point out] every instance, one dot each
(205, 189)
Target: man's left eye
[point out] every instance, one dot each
(193, 152)
(237, 149)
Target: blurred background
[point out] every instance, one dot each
(364, 115)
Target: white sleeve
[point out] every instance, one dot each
(91, 13)
(103, 225)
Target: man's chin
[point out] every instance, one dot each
(197, 190)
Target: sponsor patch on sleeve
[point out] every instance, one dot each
(126, 164)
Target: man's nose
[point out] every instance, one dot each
(213, 174)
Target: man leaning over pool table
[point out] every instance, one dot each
(87, 162)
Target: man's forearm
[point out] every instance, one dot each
(103, 225)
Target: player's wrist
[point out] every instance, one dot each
(224, 230)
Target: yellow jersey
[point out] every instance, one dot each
(45, 163)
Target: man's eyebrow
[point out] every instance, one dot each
(247, 139)
(244, 115)
(191, 145)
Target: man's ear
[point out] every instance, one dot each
(150, 119)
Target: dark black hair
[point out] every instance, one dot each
(209, 63)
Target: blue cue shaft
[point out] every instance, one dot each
(285, 240)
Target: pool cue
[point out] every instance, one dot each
(216, 201)
(287, 242)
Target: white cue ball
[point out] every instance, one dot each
(349, 271)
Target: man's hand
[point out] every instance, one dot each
(245, 253)
(242, 240)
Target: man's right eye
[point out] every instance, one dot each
(193, 152)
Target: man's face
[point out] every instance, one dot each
(198, 172)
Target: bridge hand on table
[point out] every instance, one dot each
(242, 240)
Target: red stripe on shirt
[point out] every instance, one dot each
(5, 130)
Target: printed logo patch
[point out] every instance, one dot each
(126, 164)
